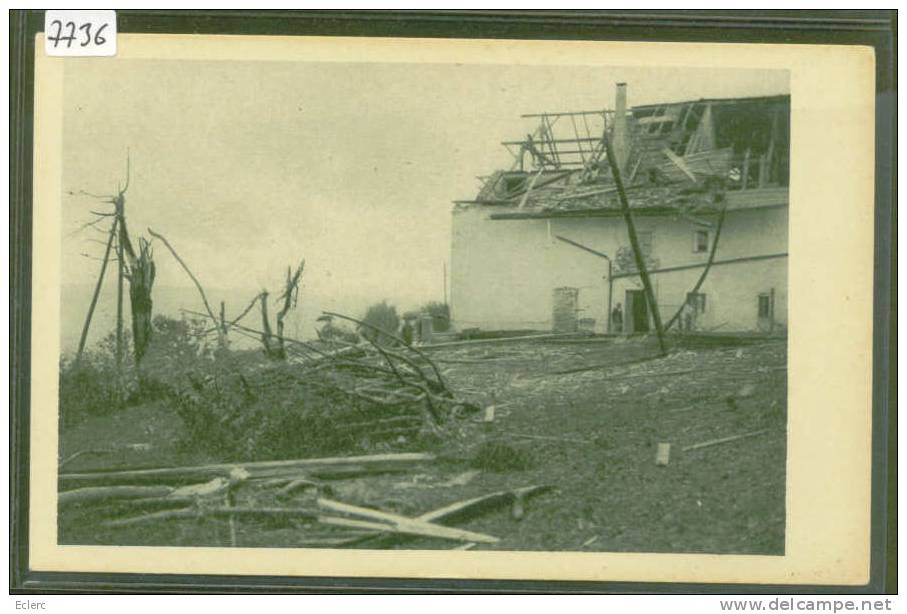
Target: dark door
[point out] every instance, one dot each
(637, 320)
(765, 320)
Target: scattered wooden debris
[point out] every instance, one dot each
(663, 455)
(401, 524)
(518, 507)
(458, 511)
(548, 438)
(463, 479)
(373, 527)
(256, 470)
(715, 442)
(199, 511)
(212, 487)
(746, 391)
(489, 414)
(102, 493)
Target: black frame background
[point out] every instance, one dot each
(875, 28)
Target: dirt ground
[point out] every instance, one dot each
(588, 415)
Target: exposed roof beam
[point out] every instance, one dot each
(568, 113)
(535, 142)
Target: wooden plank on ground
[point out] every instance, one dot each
(255, 469)
(715, 442)
(403, 524)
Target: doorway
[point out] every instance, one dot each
(765, 312)
(637, 320)
(565, 310)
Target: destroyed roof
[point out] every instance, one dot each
(733, 100)
(681, 156)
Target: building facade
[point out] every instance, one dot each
(547, 248)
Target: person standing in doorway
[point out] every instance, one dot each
(617, 319)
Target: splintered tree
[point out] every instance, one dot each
(136, 268)
(275, 346)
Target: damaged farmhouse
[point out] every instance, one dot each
(544, 245)
(600, 365)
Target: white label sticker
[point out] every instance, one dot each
(80, 33)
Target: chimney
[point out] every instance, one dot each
(619, 129)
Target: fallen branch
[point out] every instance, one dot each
(102, 493)
(396, 338)
(457, 512)
(221, 512)
(198, 285)
(547, 438)
(256, 469)
(715, 442)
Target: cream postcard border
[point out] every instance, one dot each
(830, 341)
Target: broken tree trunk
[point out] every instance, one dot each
(634, 244)
(140, 274)
(290, 296)
(266, 334)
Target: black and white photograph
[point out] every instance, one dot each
(349, 305)
(324, 308)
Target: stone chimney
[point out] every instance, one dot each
(619, 140)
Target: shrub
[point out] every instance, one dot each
(177, 347)
(440, 315)
(500, 456)
(333, 332)
(87, 388)
(384, 317)
(274, 413)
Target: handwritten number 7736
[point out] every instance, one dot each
(70, 37)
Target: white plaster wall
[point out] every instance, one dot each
(503, 272)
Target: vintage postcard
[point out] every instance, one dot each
(454, 309)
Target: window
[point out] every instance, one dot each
(696, 301)
(701, 241)
(765, 306)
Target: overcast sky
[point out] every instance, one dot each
(248, 166)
